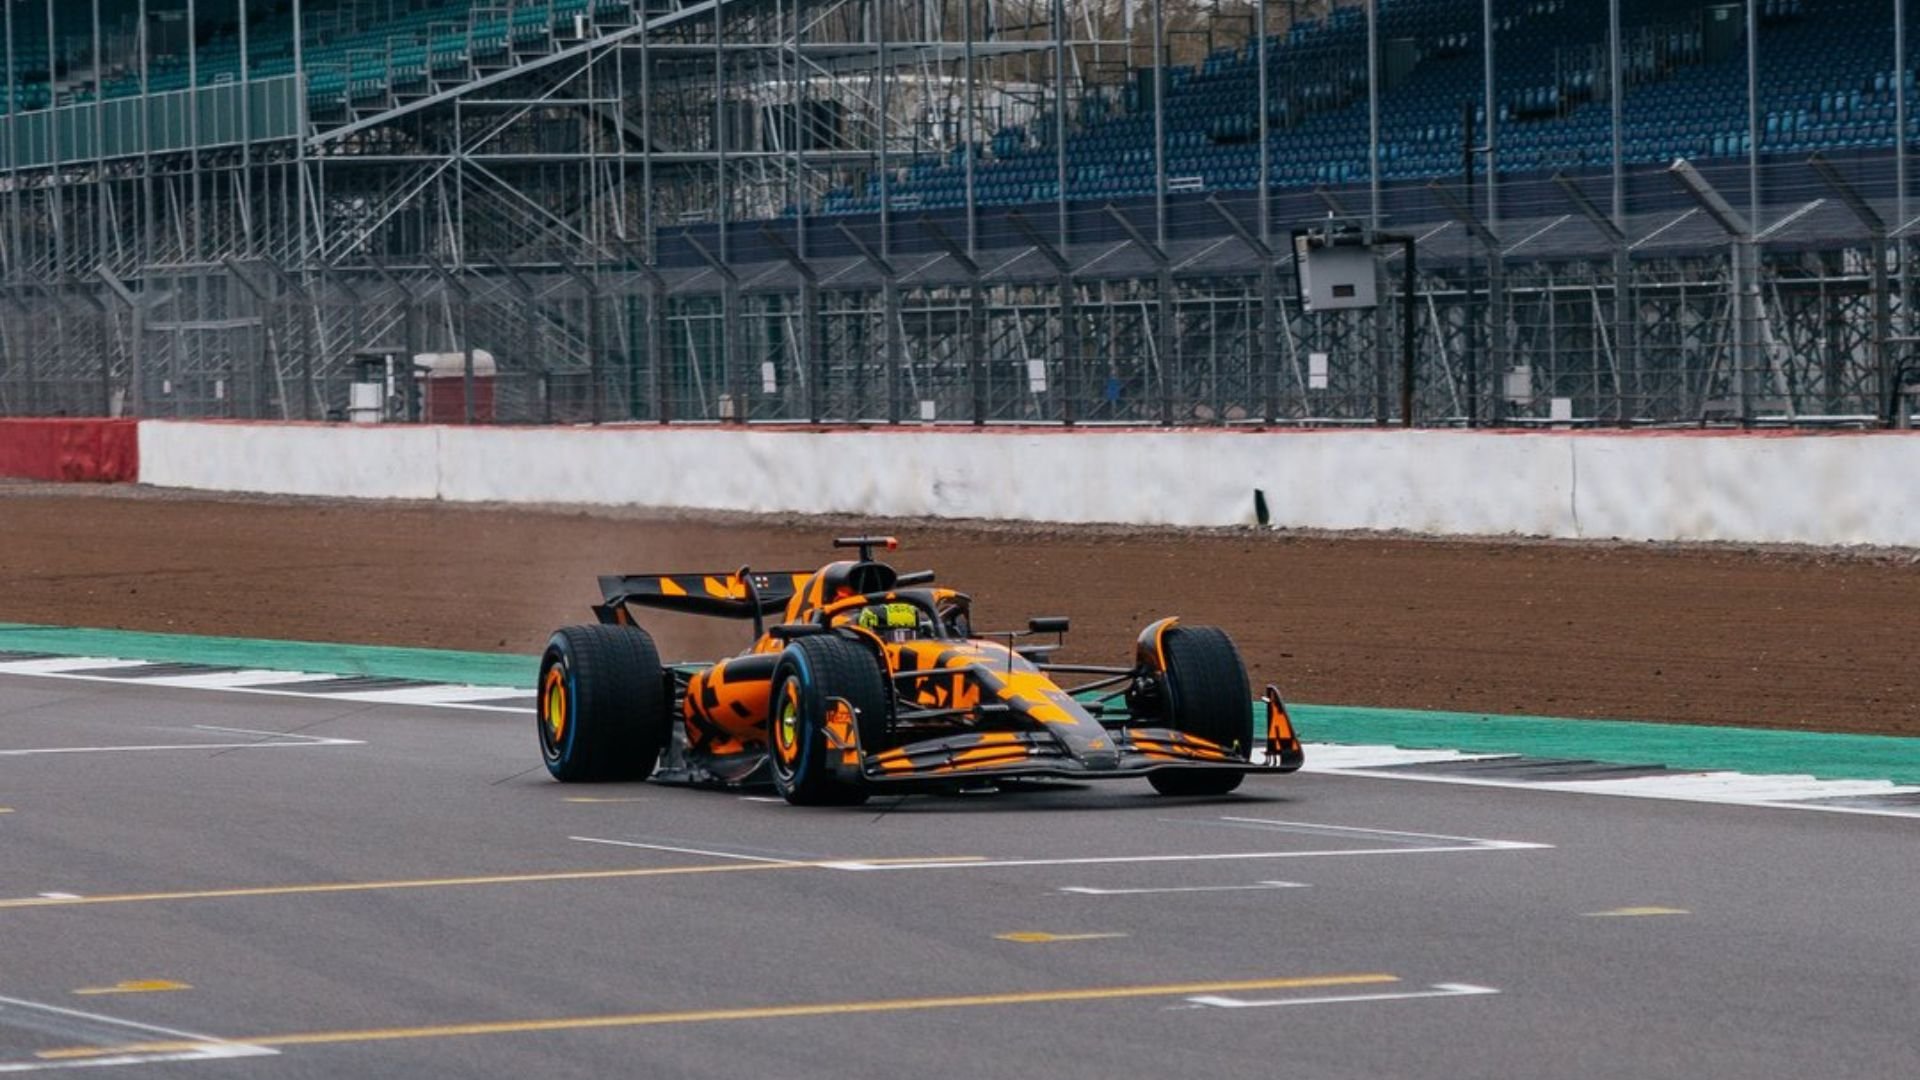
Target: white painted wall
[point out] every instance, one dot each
(1812, 489)
(364, 461)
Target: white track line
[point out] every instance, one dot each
(67, 665)
(1227, 856)
(233, 680)
(688, 851)
(296, 737)
(269, 740)
(1315, 828)
(39, 751)
(1735, 787)
(1613, 788)
(209, 1048)
(1322, 757)
(1258, 886)
(437, 694)
(205, 1051)
(1439, 990)
(369, 697)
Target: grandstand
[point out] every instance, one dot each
(1551, 102)
(1044, 211)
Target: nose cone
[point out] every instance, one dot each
(1098, 752)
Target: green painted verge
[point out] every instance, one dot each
(433, 665)
(1680, 746)
(1625, 742)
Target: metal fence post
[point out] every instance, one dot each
(1488, 240)
(654, 334)
(657, 349)
(530, 333)
(1409, 285)
(811, 361)
(976, 323)
(464, 296)
(596, 369)
(300, 293)
(1746, 284)
(1622, 269)
(657, 343)
(136, 357)
(890, 314)
(260, 397)
(1069, 330)
(99, 310)
(1269, 307)
(1163, 335)
(1876, 226)
(25, 356)
(732, 372)
(409, 332)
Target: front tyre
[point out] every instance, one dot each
(602, 712)
(1204, 693)
(811, 670)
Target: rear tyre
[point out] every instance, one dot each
(1204, 693)
(812, 670)
(602, 704)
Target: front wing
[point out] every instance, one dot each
(1135, 751)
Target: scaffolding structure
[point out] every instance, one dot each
(626, 218)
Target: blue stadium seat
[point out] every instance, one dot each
(1827, 87)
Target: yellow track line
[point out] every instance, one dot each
(133, 986)
(437, 883)
(764, 1012)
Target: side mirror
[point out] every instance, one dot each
(1049, 624)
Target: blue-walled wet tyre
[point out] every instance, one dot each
(601, 708)
(811, 670)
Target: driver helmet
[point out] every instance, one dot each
(892, 621)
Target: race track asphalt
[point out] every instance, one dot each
(401, 891)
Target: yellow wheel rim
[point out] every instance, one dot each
(786, 728)
(554, 706)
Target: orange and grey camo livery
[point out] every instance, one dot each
(958, 704)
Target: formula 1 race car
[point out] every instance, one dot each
(875, 679)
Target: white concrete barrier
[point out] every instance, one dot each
(361, 461)
(1810, 489)
(1788, 489)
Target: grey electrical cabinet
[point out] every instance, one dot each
(1336, 271)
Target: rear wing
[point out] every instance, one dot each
(741, 594)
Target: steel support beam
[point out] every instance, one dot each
(1163, 330)
(1070, 360)
(976, 319)
(1876, 226)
